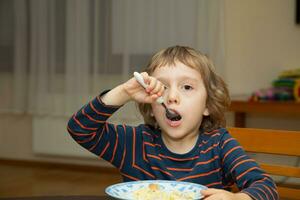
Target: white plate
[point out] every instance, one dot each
(125, 190)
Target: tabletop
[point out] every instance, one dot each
(241, 107)
(66, 198)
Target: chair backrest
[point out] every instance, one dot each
(280, 142)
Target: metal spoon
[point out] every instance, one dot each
(171, 115)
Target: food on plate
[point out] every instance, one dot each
(156, 192)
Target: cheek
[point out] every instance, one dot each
(196, 105)
(157, 109)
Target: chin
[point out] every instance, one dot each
(176, 134)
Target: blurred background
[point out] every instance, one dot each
(55, 55)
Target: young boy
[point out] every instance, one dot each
(194, 148)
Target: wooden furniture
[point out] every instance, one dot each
(279, 142)
(28, 178)
(242, 107)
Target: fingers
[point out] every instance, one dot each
(216, 194)
(210, 191)
(155, 88)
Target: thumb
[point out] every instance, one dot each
(210, 191)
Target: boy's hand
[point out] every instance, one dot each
(218, 194)
(144, 95)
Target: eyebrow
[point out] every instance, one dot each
(180, 78)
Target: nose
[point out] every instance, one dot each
(172, 96)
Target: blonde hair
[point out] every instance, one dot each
(218, 98)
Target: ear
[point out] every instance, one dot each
(206, 112)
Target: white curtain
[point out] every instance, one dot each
(68, 51)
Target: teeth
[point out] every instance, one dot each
(176, 118)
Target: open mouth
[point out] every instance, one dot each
(173, 115)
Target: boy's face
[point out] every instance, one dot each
(186, 94)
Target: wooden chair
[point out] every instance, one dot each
(278, 142)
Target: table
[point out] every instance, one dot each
(60, 198)
(241, 107)
(67, 198)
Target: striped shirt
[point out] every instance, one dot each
(217, 160)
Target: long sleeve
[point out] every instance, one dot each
(89, 128)
(244, 171)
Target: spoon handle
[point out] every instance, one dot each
(139, 78)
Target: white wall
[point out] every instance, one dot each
(261, 40)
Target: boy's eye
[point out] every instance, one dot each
(187, 87)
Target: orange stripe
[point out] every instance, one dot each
(275, 190)
(260, 196)
(104, 150)
(228, 152)
(178, 159)
(238, 158)
(133, 146)
(133, 156)
(144, 154)
(248, 170)
(165, 172)
(203, 143)
(150, 135)
(86, 140)
(251, 195)
(269, 191)
(144, 171)
(258, 181)
(90, 149)
(150, 144)
(208, 161)
(241, 162)
(124, 153)
(131, 177)
(214, 135)
(146, 133)
(206, 141)
(90, 118)
(261, 181)
(244, 183)
(263, 192)
(98, 112)
(153, 156)
(210, 148)
(82, 126)
(153, 145)
(214, 131)
(215, 183)
(200, 175)
(180, 169)
(225, 142)
(101, 102)
(116, 144)
(79, 134)
(267, 175)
